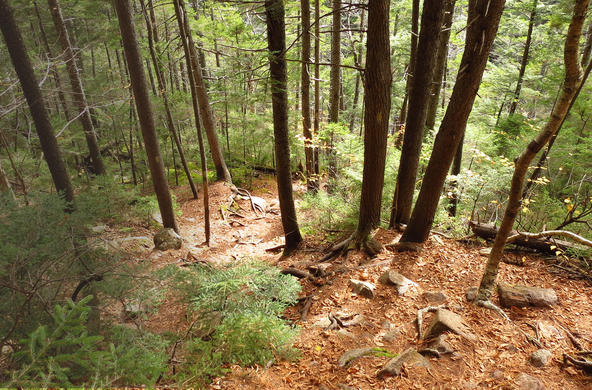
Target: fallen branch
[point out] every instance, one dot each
(276, 248)
(301, 274)
(550, 233)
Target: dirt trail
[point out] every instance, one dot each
(495, 360)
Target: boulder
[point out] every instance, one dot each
(435, 296)
(408, 358)
(361, 288)
(527, 382)
(522, 296)
(440, 345)
(540, 357)
(444, 321)
(167, 239)
(319, 269)
(401, 283)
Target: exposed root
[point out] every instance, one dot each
(580, 363)
(420, 312)
(356, 241)
(489, 305)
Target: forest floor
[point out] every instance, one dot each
(498, 358)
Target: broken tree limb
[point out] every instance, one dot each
(538, 241)
(550, 233)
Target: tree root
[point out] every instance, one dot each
(420, 312)
(356, 241)
(489, 305)
(580, 363)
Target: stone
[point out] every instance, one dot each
(167, 239)
(435, 296)
(522, 296)
(471, 294)
(548, 331)
(344, 333)
(540, 357)
(323, 322)
(527, 382)
(441, 345)
(98, 229)
(409, 358)
(361, 288)
(444, 321)
(391, 335)
(485, 252)
(320, 269)
(156, 217)
(347, 357)
(497, 374)
(401, 283)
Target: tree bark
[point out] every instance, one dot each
(524, 60)
(431, 23)
(311, 181)
(78, 94)
(440, 64)
(276, 38)
(165, 100)
(335, 83)
(358, 74)
(5, 185)
(317, 84)
(483, 17)
(207, 117)
(24, 70)
(412, 59)
(145, 114)
(455, 171)
(570, 87)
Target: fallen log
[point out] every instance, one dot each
(539, 241)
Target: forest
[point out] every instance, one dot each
(312, 194)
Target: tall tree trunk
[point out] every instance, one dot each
(145, 114)
(24, 70)
(335, 85)
(317, 84)
(192, 70)
(78, 94)
(54, 70)
(455, 171)
(524, 60)
(587, 47)
(412, 59)
(207, 117)
(165, 100)
(276, 39)
(440, 63)
(358, 74)
(5, 184)
(484, 16)
(419, 95)
(570, 88)
(311, 181)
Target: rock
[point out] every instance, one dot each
(521, 296)
(435, 296)
(259, 203)
(363, 289)
(323, 322)
(548, 331)
(98, 229)
(408, 358)
(391, 335)
(401, 283)
(156, 217)
(353, 354)
(167, 239)
(407, 246)
(527, 382)
(134, 310)
(341, 386)
(485, 252)
(540, 357)
(445, 320)
(471, 294)
(441, 345)
(344, 333)
(320, 269)
(497, 374)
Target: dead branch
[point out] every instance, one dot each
(551, 233)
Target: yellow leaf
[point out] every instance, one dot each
(318, 348)
(552, 247)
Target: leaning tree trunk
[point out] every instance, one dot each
(524, 60)
(483, 17)
(419, 95)
(207, 117)
(24, 70)
(78, 94)
(439, 73)
(311, 181)
(276, 38)
(163, 93)
(145, 115)
(377, 105)
(571, 84)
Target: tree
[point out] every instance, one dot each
(145, 115)
(276, 39)
(570, 87)
(335, 81)
(412, 58)
(311, 180)
(431, 22)
(524, 60)
(377, 103)
(78, 94)
(24, 70)
(482, 23)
